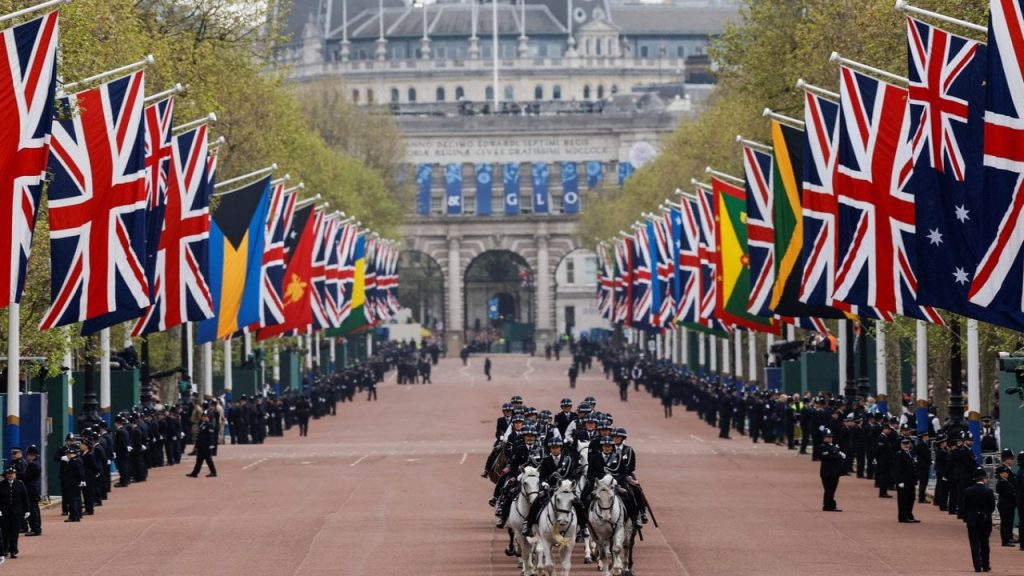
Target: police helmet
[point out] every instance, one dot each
(529, 431)
(506, 407)
(517, 399)
(531, 411)
(590, 400)
(583, 407)
(1006, 453)
(554, 442)
(621, 432)
(905, 441)
(518, 418)
(607, 441)
(10, 470)
(32, 449)
(608, 417)
(979, 474)
(545, 414)
(826, 433)
(566, 402)
(604, 425)
(1002, 468)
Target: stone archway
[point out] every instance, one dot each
(422, 288)
(499, 290)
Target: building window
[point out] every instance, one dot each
(681, 51)
(394, 96)
(489, 94)
(590, 268)
(369, 95)
(556, 92)
(586, 49)
(586, 91)
(611, 52)
(600, 92)
(439, 94)
(510, 93)
(538, 92)
(615, 88)
(570, 272)
(643, 51)
(597, 44)
(459, 93)
(412, 95)
(355, 96)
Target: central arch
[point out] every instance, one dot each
(500, 303)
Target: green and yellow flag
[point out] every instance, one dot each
(356, 319)
(732, 283)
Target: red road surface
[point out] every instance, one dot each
(393, 488)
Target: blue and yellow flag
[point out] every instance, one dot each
(237, 230)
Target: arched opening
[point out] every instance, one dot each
(369, 96)
(394, 96)
(439, 94)
(355, 96)
(576, 313)
(459, 93)
(412, 95)
(422, 289)
(600, 92)
(499, 300)
(538, 92)
(586, 91)
(556, 92)
(489, 94)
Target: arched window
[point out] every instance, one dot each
(615, 89)
(459, 93)
(610, 51)
(394, 96)
(586, 91)
(412, 95)
(586, 49)
(597, 44)
(538, 92)
(556, 92)
(600, 91)
(369, 95)
(510, 94)
(355, 96)
(439, 94)
(489, 93)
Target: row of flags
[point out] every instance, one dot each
(510, 174)
(884, 200)
(132, 237)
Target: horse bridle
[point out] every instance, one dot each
(608, 508)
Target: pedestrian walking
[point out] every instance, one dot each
(487, 368)
(574, 372)
(302, 415)
(206, 442)
(978, 503)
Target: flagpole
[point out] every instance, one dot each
(752, 358)
(844, 383)
(236, 179)
(802, 84)
(13, 429)
(752, 144)
(306, 202)
(281, 180)
(783, 119)
(974, 385)
(105, 374)
(277, 364)
(726, 366)
(835, 57)
(176, 89)
(903, 6)
(31, 9)
(881, 382)
(699, 184)
(922, 376)
(297, 187)
(316, 351)
(228, 376)
(739, 355)
(69, 87)
(724, 176)
(207, 370)
(208, 119)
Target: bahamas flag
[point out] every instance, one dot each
(237, 235)
(357, 317)
(733, 278)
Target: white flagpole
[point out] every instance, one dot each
(228, 377)
(752, 373)
(922, 375)
(316, 350)
(881, 387)
(105, 372)
(903, 6)
(186, 329)
(843, 359)
(334, 352)
(177, 89)
(70, 87)
(726, 365)
(700, 349)
(739, 355)
(31, 9)
(724, 176)
(277, 364)
(236, 179)
(208, 119)
(798, 124)
(802, 84)
(207, 370)
(494, 50)
(13, 428)
(835, 57)
(973, 373)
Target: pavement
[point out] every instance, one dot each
(392, 488)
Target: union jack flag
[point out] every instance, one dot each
(686, 231)
(662, 304)
(388, 282)
(642, 273)
(370, 281)
(345, 272)
(279, 223)
(27, 84)
(708, 253)
(624, 281)
(821, 117)
(158, 120)
(97, 205)
(997, 281)
(875, 270)
(322, 318)
(605, 284)
(180, 291)
(757, 168)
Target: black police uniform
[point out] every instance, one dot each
(906, 481)
(14, 503)
(978, 503)
(831, 469)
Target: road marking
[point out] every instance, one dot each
(697, 438)
(256, 463)
(464, 455)
(361, 458)
(529, 365)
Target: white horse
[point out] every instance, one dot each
(556, 531)
(518, 545)
(583, 449)
(607, 517)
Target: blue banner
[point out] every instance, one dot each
(453, 188)
(510, 178)
(595, 174)
(625, 171)
(484, 185)
(423, 177)
(570, 189)
(541, 198)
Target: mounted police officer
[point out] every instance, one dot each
(501, 426)
(557, 466)
(528, 453)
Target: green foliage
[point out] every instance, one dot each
(219, 50)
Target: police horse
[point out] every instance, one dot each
(518, 544)
(555, 531)
(611, 528)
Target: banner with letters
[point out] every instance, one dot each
(453, 189)
(483, 189)
(541, 197)
(510, 178)
(570, 189)
(424, 172)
